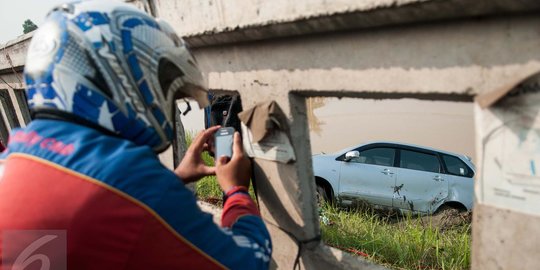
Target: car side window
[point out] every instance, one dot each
(455, 166)
(376, 156)
(419, 161)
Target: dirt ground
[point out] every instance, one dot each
(444, 218)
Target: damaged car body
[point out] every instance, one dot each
(405, 177)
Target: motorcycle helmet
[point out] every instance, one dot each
(108, 65)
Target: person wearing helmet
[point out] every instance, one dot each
(102, 78)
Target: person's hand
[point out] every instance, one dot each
(234, 172)
(192, 167)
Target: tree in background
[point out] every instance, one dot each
(29, 26)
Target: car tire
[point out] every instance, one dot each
(322, 198)
(447, 217)
(447, 209)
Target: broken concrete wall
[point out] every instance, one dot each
(444, 60)
(439, 61)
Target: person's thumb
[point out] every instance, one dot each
(222, 161)
(237, 146)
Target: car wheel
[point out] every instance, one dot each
(322, 198)
(448, 210)
(447, 217)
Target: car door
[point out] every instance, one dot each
(420, 184)
(460, 181)
(369, 177)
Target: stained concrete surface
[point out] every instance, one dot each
(458, 59)
(504, 239)
(213, 22)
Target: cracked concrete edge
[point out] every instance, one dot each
(14, 50)
(218, 22)
(369, 17)
(278, 12)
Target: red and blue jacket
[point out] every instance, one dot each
(119, 206)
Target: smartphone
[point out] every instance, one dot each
(224, 142)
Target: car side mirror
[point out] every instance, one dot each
(351, 154)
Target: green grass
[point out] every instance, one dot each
(208, 188)
(407, 244)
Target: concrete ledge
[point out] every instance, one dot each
(13, 53)
(206, 23)
(451, 60)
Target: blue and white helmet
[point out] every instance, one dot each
(112, 66)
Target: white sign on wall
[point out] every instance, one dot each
(508, 135)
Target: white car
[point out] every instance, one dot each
(396, 175)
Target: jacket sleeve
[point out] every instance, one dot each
(236, 204)
(242, 243)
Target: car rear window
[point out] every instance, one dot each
(457, 167)
(419, 161)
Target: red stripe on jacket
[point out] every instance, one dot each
(238, 204)
(105, 227)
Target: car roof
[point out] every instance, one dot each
(464, 158)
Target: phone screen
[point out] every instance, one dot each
(224, 142)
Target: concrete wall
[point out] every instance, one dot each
(367, 49)
(452, 60)
(507, 216)
(14, 52)
(445, 60)
(213, 22)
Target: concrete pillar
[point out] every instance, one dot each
(507, 214)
